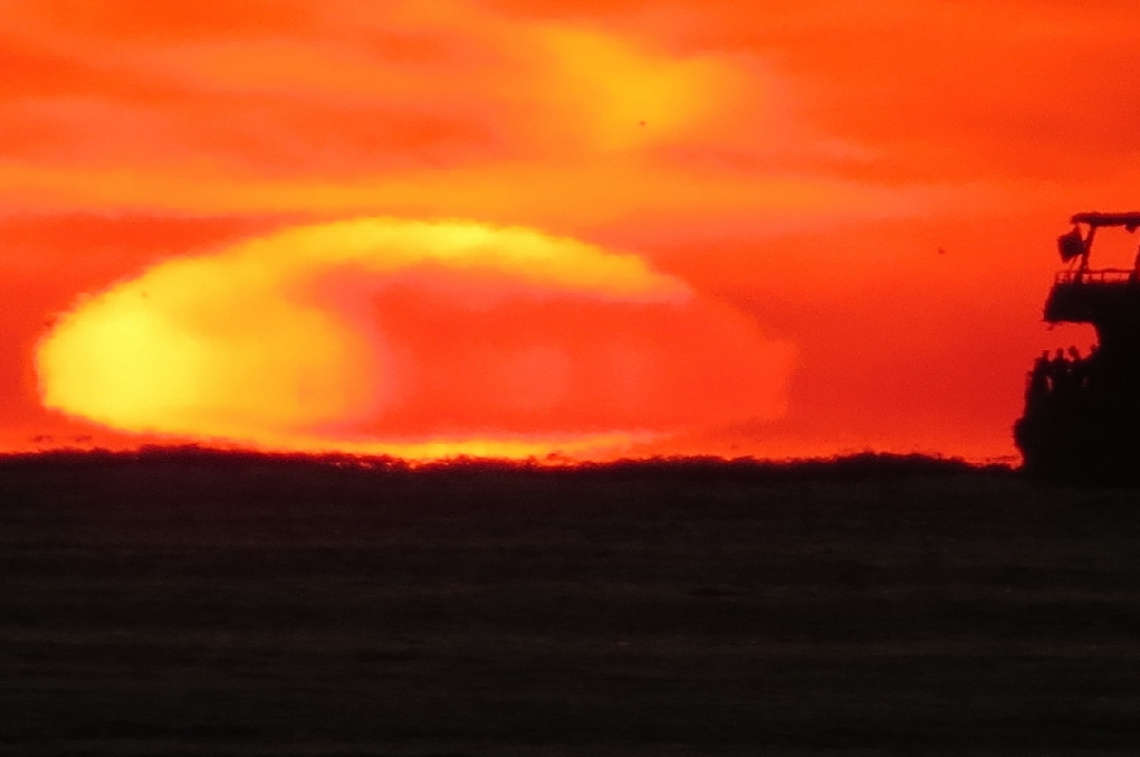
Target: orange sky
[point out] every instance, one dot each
(774, 182)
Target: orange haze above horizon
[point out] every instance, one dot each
(503, 227)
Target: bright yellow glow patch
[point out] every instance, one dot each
(628, 97)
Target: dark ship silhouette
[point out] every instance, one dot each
(1082, 412)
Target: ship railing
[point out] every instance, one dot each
(1102, 276)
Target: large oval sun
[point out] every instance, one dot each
(411, 338)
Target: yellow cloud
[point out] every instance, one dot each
(624, 97)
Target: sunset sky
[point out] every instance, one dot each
(529, 226)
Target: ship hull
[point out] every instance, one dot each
(1080, 444)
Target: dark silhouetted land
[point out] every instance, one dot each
(188, 603)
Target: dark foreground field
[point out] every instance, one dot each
(183, 603)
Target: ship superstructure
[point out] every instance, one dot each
(1082, 411)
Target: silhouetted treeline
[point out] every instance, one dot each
(866, 465)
